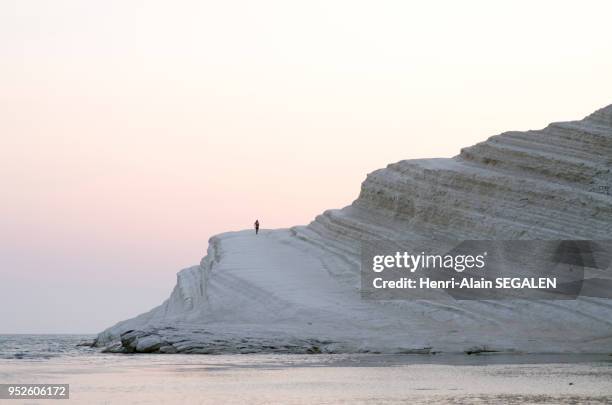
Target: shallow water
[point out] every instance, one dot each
(97, 378)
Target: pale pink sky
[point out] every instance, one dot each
(132, 131)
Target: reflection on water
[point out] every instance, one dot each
(97, 378)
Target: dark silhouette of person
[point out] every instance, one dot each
(256, 226)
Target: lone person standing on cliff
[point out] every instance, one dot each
(256, 226)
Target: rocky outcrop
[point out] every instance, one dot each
(296, 290)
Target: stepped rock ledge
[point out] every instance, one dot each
(297, 290)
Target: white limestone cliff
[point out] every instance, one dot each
(297, 290)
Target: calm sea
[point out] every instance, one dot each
(98, 378)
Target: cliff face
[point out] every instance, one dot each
(296, 290)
